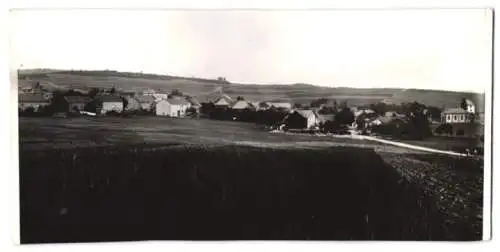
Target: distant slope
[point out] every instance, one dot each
(440, 99)
(296, 93)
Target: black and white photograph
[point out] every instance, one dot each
(251, 125)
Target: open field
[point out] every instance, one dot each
(297, 93)
(221, 193)
(42, 133)
(163, 178)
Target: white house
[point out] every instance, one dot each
(455, 115)
(171, 107)
(109, 103)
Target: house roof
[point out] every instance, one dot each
(127, 93)
(145, 99)
(454, 111)
(285, 105)
(214, 97)
(32, 98)
(108, 98)
(242, 105)
(177, 101)
(255, 104)
(469, 102)
(264, 105)
(77, 99)
(326, 117)
(305, 113)
(222, 101)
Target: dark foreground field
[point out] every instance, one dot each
(224, 193)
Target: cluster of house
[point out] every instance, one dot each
(159, 102)
(162, 103)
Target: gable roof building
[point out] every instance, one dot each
(34, 101)
(302, 119)
(172, 107)
(108, 103)
(77, 103)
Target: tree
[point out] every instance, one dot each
(93, 92)
(191, 111)
(112, 90)
(318, 102)
(335, 105)
(344, 105)
(176, 92)
(72, 92)
(418, 122)
(125, 102)
(379, 108)
(240, 98)
(463, 104)
(91, 107)
(444, 129)
(434, 112)
(345, 116)
(58, 104)
(326, 110)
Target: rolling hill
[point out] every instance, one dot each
(296, 93)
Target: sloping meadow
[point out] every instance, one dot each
(220, 193)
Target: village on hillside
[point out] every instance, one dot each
(407, 120)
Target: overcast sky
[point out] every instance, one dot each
(429, 49)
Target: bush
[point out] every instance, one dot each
(444, 129)
(334, 127)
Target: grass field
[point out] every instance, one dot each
(170, 179)
(41, 133)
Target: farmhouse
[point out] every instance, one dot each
(108, 103)
(32, 101)
(455, 115)
(302, 119)
(77, 103)
(172, 107)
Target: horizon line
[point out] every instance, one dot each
(242, 82)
